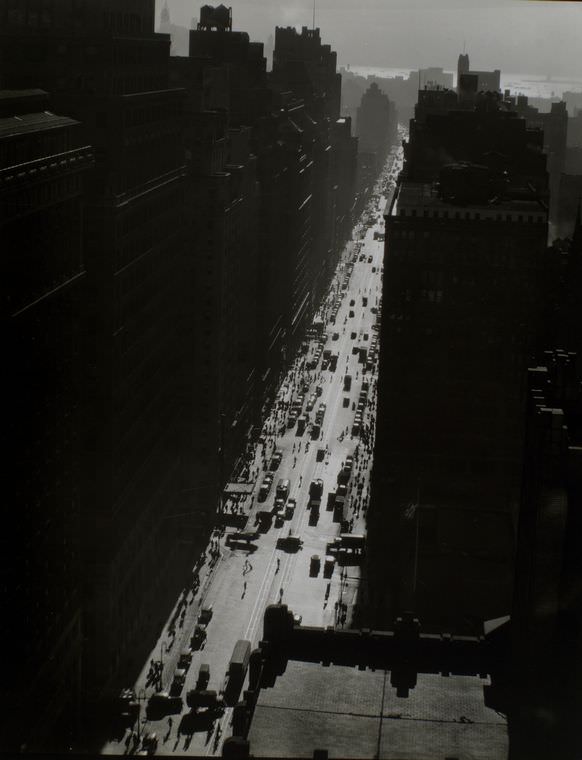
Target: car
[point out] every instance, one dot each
(353, 335)
(128, 705)
(320, 456)
(198, 637)
(335, 336)
(185, 659)
(373, 269)
(162, 703)
(314, 565)
(318, 390)
(290, 508)
(352, 302)
(276, 459)
(370, 259)
(197, 698)
(351, 314)
(346, 402)
(203, 676)
(149, 745)
(178, 682)
(328, 566)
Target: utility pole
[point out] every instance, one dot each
(313, 27)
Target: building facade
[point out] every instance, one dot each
(464, 252)
(42, 165)
(107, 68)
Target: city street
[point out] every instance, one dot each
(239, 579)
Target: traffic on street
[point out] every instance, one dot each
(293, 533)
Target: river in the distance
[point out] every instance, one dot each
(525, 84)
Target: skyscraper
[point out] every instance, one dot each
(42, 167)
(106, 67)
(464, 248)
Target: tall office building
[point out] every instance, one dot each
(546, 614)
(106, 67)
(466, 233)
(42, 163)
(376, 123)
(485, 81)
(308, 68)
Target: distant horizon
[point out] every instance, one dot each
(541, 38)
(524, 79)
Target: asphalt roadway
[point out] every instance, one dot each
(241, 580)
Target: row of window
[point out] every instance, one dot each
(474, 216)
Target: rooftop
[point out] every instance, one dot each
(33, 122)
(414, 198)
(355, 712)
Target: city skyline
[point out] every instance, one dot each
(518, 36)
(295, 386)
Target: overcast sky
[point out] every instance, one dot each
(517, 36)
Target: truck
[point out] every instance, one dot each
(237, 669)
(338, 506)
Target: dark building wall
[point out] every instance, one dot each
(132, 476)
(459, 323)
(41, 168)
(546, 619)
(376, 129)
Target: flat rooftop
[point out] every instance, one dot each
(356, 713)
(423, 199)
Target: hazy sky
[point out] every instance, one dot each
(517, 36)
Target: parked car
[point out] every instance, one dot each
(198, 637)
(276, 459)
(205, 615)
